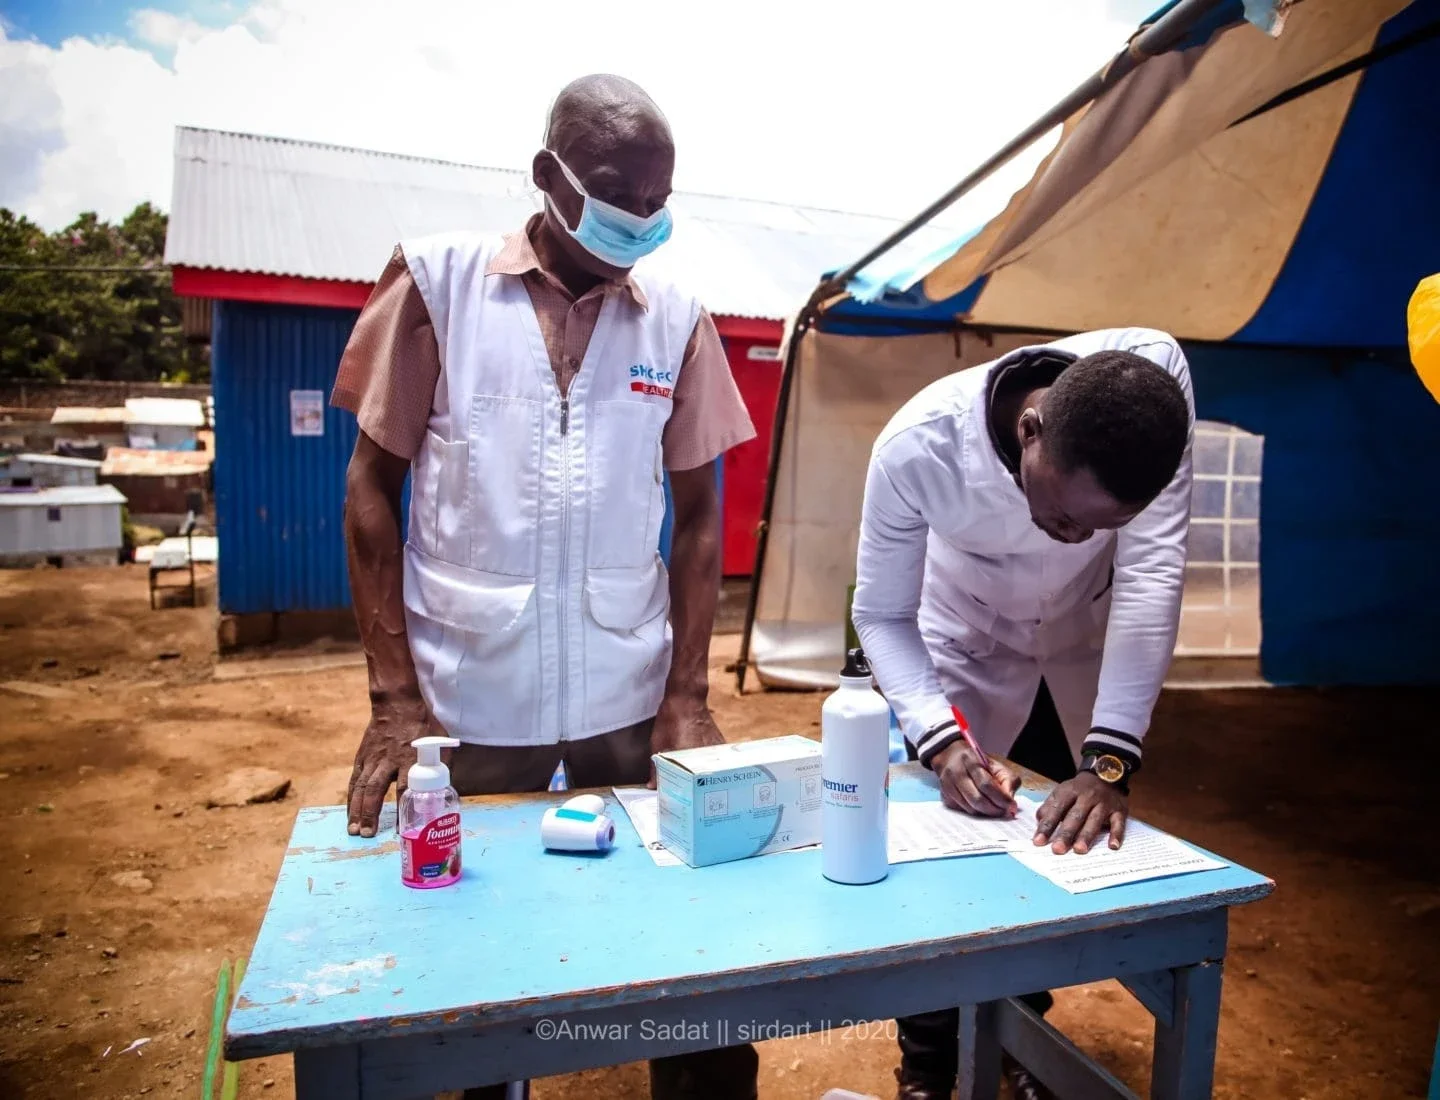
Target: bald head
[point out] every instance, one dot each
(617, 146)
(598, 113)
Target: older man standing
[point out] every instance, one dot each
(535, 388)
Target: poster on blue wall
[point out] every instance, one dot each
(307, 412)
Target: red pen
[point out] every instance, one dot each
(975, 745)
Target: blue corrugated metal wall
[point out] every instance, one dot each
(665, 532)
(279, 499)
(1348, 527)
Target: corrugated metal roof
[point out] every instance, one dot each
(64, 494)
(268, 205)
(82, 414)
(55, 460)
(175, 412)
(135, 462)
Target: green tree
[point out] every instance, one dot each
(27, 316)
(91, 300)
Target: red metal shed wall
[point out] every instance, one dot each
(747, 465)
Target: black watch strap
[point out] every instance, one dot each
(1103, 765)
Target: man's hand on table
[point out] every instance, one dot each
(1078, 811)
(384, 757)
(683, 722)
(985, 788)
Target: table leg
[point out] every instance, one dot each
(1434, 1093)
(326, 1073)
(979, 1070)
(1184, 1064)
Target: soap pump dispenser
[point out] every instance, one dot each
(430, 819)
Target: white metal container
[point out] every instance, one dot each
(855, 774)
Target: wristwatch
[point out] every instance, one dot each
(1108, 768)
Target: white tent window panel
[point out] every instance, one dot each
(1220, 615)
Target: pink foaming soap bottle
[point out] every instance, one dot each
(430, 819)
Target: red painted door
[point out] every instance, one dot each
(755, 364)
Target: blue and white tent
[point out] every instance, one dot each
(1266, 187)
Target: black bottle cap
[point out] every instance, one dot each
(856, 667)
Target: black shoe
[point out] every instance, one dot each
(913, 1086)
(1023, 1084)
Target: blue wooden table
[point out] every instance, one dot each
(540, 963)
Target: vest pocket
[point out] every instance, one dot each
(441, 478)
(625, 599)
(627, 644)
(469, 600)
(504, 513)
(627, 497)
(474, 641)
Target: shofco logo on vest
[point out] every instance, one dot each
(648, 380)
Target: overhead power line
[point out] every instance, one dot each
(81, 269)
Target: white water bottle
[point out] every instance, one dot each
(855, 772)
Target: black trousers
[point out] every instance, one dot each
(929, 1046)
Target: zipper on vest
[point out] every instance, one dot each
(565, 570)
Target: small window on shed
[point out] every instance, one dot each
(52, 514)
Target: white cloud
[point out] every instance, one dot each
(769, 99)
(101, 144)
(29, 124)
(164, 29)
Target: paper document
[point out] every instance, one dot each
(643, 807)
(931, 830)
(1147, 853)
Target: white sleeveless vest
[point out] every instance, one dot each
(535, 597)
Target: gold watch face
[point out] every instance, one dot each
(1109, 768)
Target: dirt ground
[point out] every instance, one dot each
(1331, 990)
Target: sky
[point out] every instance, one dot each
(873, 108)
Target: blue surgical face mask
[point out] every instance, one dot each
(613, 236)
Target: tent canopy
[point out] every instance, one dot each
(1171, 199)
(1271, 199)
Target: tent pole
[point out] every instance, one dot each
(1149, 41)
(777, 439)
